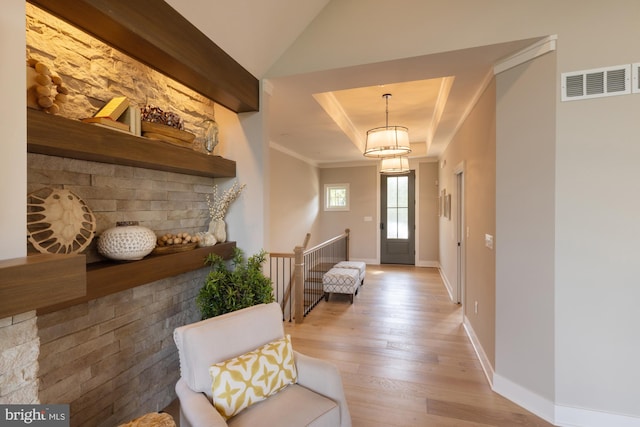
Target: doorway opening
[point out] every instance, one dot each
(460, 237)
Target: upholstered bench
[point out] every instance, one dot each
(359, 265)
(341, 281)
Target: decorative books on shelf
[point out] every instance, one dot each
(121, 115)
(118, 114)
(107, 122)
(114, 108)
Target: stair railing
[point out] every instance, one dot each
(281, 273)
(310, 266)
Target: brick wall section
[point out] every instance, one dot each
(19, 349)
(114, 358)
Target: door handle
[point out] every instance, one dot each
(382, 226)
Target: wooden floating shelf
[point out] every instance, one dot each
(32, 282)
(58, 136)
(109, 277)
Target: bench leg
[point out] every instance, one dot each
(326, 296)
(351, 298)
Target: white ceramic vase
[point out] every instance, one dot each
(127, 241)
(218, 228)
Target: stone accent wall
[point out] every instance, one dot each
(95, 72)
(19, 349)
(162, 201)
(114, 358)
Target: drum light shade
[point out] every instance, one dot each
(394, 165)
(387, 140)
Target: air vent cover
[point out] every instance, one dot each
(596, 83)
(635, 70)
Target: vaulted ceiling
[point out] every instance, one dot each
(322, 116)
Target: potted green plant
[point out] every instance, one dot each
(229, 289)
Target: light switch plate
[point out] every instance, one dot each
(488, 241)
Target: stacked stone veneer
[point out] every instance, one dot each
(113, 358)
(161, 201)
(19, 348)
(95, 72)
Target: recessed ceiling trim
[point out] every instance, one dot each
(539, 48)
(438, 110)
(292, 153)
(267, 86)
(472, 103)
(333, 108)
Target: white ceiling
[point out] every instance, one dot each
(322, 117)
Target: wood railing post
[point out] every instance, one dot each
(346, 243)
(298, 285)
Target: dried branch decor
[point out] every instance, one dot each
(220, 204)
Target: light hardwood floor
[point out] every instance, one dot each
(403, 354)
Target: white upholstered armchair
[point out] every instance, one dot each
(316, 398)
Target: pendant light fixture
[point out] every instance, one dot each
(394, 165)
(387, 140)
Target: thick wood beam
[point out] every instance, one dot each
(40, 280)
(108, 277)
(157, 35)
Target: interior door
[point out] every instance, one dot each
(397, 219)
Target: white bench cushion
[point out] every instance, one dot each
(341, 281)
(359, 265)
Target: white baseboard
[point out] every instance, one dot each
(532, 402)
(447, 285)
(365, 260)
(566, 416)
(432, 264)
(558, 415)
(482, 356)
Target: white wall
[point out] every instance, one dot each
(427, 218)
(596, 222)
(597, 252)
(242, 139)
(525, 209)
(13, 122)
(294, 203)
(363, 187)
(473, 152)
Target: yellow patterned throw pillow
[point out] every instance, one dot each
(252, 377)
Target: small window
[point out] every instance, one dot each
(336, 197)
